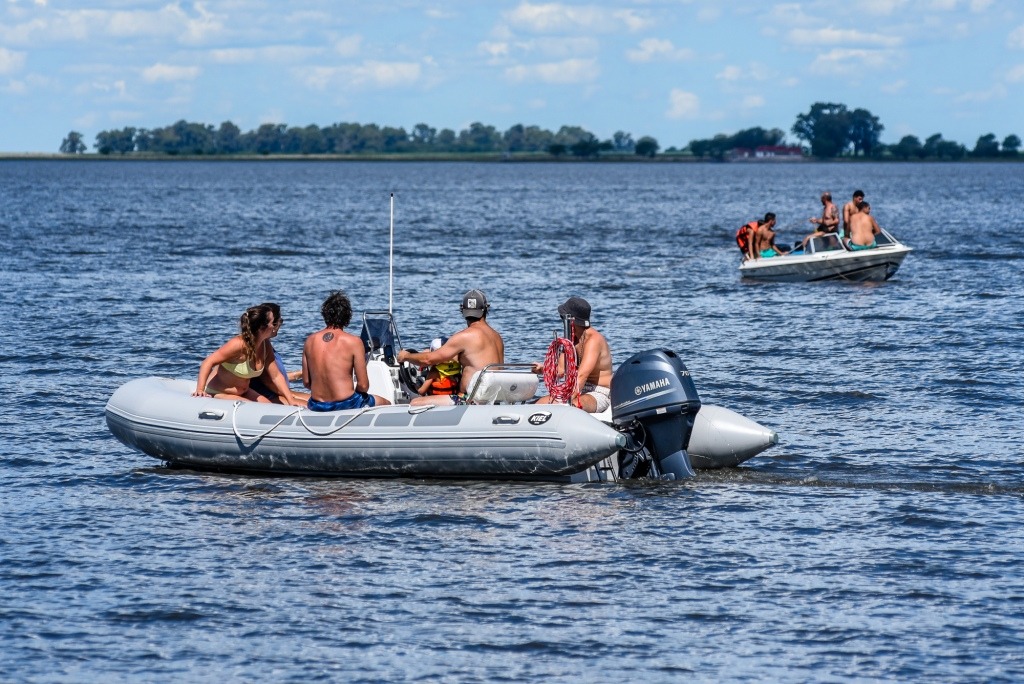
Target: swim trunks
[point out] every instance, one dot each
(357, 400)
(857, 248)
(602, 395)
(765, 253)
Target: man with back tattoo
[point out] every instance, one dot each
(331, 357)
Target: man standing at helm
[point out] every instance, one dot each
(476, 346)
(594, 359)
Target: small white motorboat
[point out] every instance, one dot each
(500, 433)
(828, 258)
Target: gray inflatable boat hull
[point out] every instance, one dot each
(159, 417)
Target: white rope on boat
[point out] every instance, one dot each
(249, 441)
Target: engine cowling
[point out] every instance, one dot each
(653, 396)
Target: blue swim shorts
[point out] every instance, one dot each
(357, 400)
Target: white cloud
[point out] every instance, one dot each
(996, 92)
(894, 88)
(753, 102)
(834, 36)
(754, 72)
(170, 72)
(1015, 74)
(556, 18)
(843, 61)
(682, 105)
(60, 26)
(495, 51)
(1016, 38)
(349, 46)
(565, 72)
(651, 49)
(880, 7)
(269, 53)
(369, 74)
(11, 61)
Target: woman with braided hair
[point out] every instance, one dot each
(225, 374)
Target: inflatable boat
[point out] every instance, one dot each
(656, 426)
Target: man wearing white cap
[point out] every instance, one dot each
(474, 347)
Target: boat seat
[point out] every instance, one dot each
(503, 387)
(381, 382)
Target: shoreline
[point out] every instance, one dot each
(485, 157)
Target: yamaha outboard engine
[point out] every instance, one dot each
(655, 401)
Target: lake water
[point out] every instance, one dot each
(882, 539)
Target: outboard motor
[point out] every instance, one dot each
(655, 401)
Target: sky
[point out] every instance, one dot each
(676, 70)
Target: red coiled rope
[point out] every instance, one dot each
(560, 391)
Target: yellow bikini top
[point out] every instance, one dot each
(242, 370)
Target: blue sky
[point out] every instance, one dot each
(672, 69)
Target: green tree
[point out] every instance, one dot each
(557, 149)
(908, 146)
(1011, 145)
(73, 144)
(931, 146)
(119, 142)
(228, 139)
(826, 127)
(987, 146)
(646, 147)
(423, 135)
(865, 132)
(480, 138)
(948, 149)
(588, 146)
(623, 142)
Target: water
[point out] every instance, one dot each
(881, 540)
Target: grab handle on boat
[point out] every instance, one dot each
(211, 415)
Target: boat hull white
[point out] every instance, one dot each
(828, 260)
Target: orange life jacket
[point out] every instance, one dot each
(446, 385)
(744, 234)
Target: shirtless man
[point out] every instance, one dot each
(764, 239)
(863, 229)
(475, 346)
(331, 356)
(594, 380)
(849, 209)
(829, 221)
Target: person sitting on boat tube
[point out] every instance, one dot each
(442, 378)
(764, 239)
(593, 359)
(227, 372)
(475, 347)
(863, 229)
(331, 357)
(262, 384)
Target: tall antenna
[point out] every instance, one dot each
(391, 260)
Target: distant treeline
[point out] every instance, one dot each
(828, 130)
(185, 138)
(831, 130)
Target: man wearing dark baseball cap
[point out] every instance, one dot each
(593, 358)
(476, 346)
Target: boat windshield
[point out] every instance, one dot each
(379, 334)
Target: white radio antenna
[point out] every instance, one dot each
(391, 260)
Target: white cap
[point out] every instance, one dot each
(436, 344)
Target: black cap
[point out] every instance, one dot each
(578, 308)
(474, 304)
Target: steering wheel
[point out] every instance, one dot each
(410, 374)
